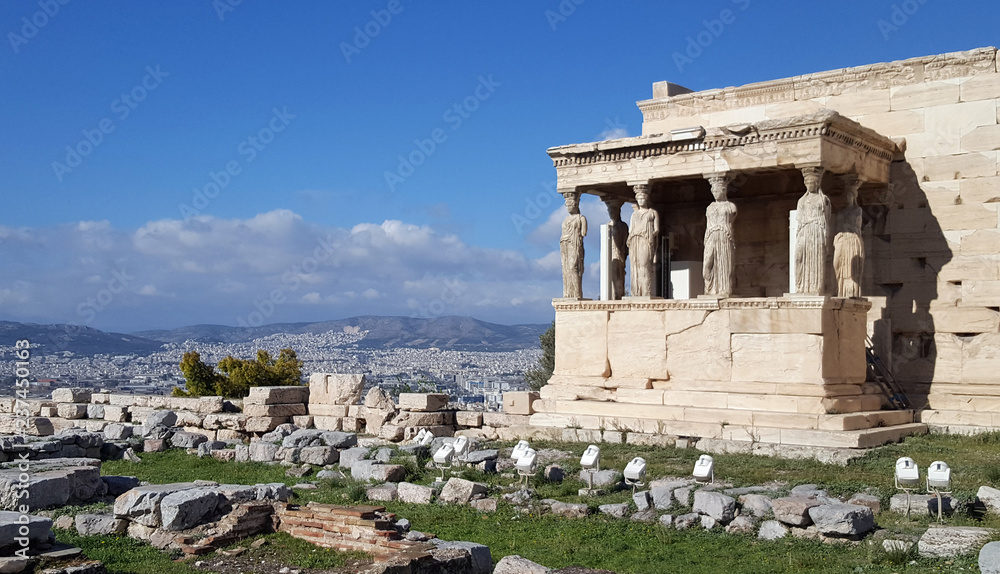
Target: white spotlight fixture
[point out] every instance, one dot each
(526, 464)
(443, 458)
(591, 461)
(704, 469)
(939, 481)
(907, 478)
(635, 472)
(519, 450)
(427, 439)
(461, 446)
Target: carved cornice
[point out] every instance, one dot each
(831, 83)
(822, 124)
(710, 304)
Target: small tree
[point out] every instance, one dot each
(238, 375)
(539, 377)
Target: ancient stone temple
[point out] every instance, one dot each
(777, 227)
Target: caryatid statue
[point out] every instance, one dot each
(619, 247)
(848, 248)
(644, 232)
(812, 235)
(719, 267)
(574, 229)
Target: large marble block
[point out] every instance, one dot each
(582, 343)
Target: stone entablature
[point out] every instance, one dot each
(831, 83)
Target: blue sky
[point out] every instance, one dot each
(219, 149)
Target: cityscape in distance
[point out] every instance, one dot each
(473, 361)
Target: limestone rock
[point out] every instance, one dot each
(642, 501)
(142, 504)
(619, 510)
(375, 471)
(842, 519)
(683, 495)
(382, 493)
(280, 395)
(772, 530)
(514, 564)
(990, 498)
(302, 438)
(461, 491)
(808, 491)
(740, 525)
(184, 439)
(261, 451)
(414, 493)
(335, 389)
(482, 560)
(602, 478)
(989, 558)
(869, 500)
(715, 504)
(117, 431)
(161, 418)
(378, 399)
(661, 496)
(667, 520)
(350, 456)
(950, 541)
(39, 528)
(685, 521)
(756, 505)
(98, 524)
(484, 504)
(793, 510)
(340, 440)
(570, 509)
(319, 455)
(421, 402)
(921, 504)
(74, 395)
(707, 522)
(186, 508)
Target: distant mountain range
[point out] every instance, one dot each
(455, 333)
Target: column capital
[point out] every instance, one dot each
(850, 180)
(813, 176)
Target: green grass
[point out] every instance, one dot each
(633, 548)
(124, 554)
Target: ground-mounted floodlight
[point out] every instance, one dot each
(443, 458)
(427, 439)
(635, 472)
(461, 446)
(907, 478)
(519, 450)
(420, 436)
(704, 469)
(939, 481)
(591, 462)
(526, 465)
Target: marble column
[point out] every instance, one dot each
(618, 231)
(848, 247)
(643, 238)
(812, 235)
(574, 229)
(719, 263)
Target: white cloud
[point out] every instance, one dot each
(213, 270)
